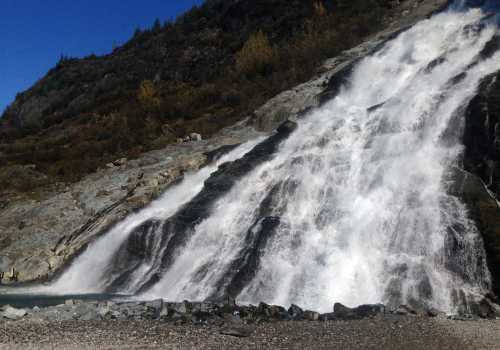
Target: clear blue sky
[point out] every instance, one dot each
(34, 33)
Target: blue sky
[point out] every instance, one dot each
(34, 33)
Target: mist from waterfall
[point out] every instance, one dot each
(358, 195)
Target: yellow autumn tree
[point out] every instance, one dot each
(257, 56)
(148, 96)
(319, 8)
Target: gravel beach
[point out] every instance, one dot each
(380, 333)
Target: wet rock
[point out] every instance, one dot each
(485, 308)
(182, 308)
(482, 169)
(104, 312)
(405, 310)
(432, 312)
(12, 313)
(264, 310)
(296, 312)
(203, 307)
(364, 311)
(85, 312)
(67, 218)
(178, 228)
(311, 315)
(154, 308)
(219, 152)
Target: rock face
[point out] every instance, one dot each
(177, 229)
(482, 161)
(38, 236)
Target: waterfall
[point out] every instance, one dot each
(353, 206)
(89, 273)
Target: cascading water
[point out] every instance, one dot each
(91, 271)
(353, 207)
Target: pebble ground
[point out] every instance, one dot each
(386, 333)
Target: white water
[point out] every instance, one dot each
(88, 272)
(364, 211)
(362, 198)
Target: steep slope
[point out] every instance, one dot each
(40, 235)
(198, 74)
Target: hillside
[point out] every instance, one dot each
(210, 68)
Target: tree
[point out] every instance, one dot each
(148, 96)
(157, 26)
(257, 56)
(137, 32)
(319, 8)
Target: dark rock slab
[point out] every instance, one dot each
(342, 312)
(482, 159)
(238, 331)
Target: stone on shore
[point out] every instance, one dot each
(12, 313)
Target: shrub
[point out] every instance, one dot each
(257, 56)
(319, 8)
(148, 96)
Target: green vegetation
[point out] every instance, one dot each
(148, 96)
(257, 56)
(210, 68)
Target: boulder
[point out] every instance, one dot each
(296, 312)
(364, 311)
(195, 137)
(405, 310)
(153, 309)
(311, 315)
(12, 313)
(183, 308)
(432, 312)
(85, 312)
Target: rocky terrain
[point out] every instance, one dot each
(379, 333)
(39, 235)
(41, 232)
(157, 324)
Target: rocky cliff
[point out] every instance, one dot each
(482, 158)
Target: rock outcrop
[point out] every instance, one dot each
(481, 185)
(39, 235)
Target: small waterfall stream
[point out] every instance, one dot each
(352, 207)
